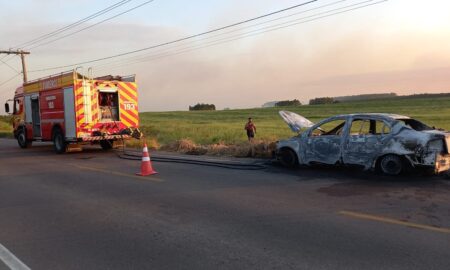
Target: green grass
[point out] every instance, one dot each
(210, 127)
(5, 127)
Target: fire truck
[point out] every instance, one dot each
(72, 110)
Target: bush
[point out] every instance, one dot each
(322, 100)
(202, 107)
(286, 103)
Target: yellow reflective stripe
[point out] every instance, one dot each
(123, 94)
(129, 116)
(132, 91)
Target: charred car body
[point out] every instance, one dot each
(391, 143)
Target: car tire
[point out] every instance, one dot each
(106, 144)
(59, 143)
(392, 165)
(288, 158)
(22, 139)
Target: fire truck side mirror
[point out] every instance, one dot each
(7, 107)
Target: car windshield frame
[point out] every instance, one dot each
(331, 119)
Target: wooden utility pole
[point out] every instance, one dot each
(22, 57)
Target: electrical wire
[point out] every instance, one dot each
(5, 82)
(138, 57)
(258, 32)
(180, 39)
(8, 65)
(90, 26)
(68, 27)
(72, 25)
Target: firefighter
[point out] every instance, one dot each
(251, 129)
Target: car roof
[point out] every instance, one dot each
(388, 116)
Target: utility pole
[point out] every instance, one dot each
(22, 57)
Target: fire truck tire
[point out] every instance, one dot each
(22, 139)
(59, 142)
(106, 144)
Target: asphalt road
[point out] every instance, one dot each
(89, 211)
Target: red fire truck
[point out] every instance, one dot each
(71, 110)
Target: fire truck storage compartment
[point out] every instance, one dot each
(109, 104)
(69, 113)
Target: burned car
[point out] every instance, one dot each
(388, 142)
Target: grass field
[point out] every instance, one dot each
(5, 127)
(227, 127)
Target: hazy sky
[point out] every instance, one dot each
(396, 46)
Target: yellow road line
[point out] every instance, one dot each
(149, 178)
(394, 221)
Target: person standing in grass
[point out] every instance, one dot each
(251, 129)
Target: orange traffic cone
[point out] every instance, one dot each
(146, 165)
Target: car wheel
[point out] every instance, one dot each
(106, 144)
(22, 139)
(59, 142)
(288, 158)
(391, 165)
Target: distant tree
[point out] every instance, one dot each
(202, 107)
(286, 103)
(322, 100)
(366, 97)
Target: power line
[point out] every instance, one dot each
(227, 40)
(283, 17)
(10, 79)
(8, 65)
(68, 27)
(317, 16)
(250, 26)
(72, 25)
(182, 39)
(90, 26)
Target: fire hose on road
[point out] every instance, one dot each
(134, 155)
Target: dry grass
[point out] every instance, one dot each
(259, 148)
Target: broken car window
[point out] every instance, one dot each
(414, 124)
(382, 128)
(334, 127)
(369, 127)
(360, 127)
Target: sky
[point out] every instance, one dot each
(397, 46)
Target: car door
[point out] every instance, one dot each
(324, 142)
(364, 141)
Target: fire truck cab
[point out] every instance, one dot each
(71, 109)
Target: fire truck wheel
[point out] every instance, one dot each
(106, 144)
(22, 139)
(59, 142)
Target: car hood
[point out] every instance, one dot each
(295, 122)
